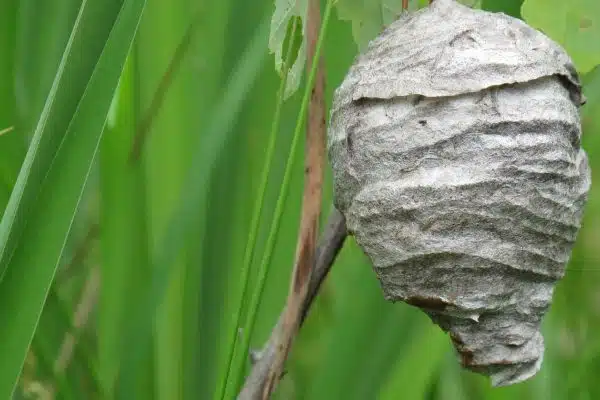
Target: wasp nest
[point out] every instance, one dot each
(455, 146)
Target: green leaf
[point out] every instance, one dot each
(574, 24)
(239, 292)
(47, 192)
(12, 143)
(43, 29)
(167, 158)
(285, 11)
(124, 256)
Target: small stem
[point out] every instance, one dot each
(254, 225)
(311, 204)
(330, 244)
(238, 367)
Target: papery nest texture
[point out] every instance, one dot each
(455, 142)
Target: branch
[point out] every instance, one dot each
(329, 246)
(311, 205)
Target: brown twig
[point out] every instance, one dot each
(158, 98)
(330, 244)
(405, 4)
(311, 205)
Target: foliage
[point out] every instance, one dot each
(55, 170)
(166, 232)
(285, 11)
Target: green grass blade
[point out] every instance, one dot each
(12, 143)
(123, 233)
(31, 174)
(166, 157)
(254, 224)
(57, 165)
(43, 30)
(192, 198)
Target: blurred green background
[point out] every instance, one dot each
(142, 298)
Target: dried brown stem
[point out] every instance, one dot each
(311, 206)
(330, 244)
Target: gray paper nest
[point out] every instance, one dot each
(455, 146)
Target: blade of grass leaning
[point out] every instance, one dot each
(12, 143)
(241, 352)
(81, 53)
(306, 364)
(30, 175)
(123, 235)
(192, 203)
(55, 170)
(43, 29)
(166, 158)
(255, 222)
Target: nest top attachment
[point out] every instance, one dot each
(448, 49)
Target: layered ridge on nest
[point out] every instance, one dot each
(457, 162)
(449, 49)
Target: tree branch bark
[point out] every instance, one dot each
(311, 205)
(329, 246)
